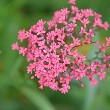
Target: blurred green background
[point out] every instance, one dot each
(17, 90)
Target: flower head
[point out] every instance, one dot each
(54, 55)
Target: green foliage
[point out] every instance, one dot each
(17, 91)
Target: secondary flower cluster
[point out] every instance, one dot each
(54, 54)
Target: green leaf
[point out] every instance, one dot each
(18, 63)
(38, 99)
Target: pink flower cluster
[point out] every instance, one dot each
(54, 54)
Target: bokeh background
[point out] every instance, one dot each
(17, 90)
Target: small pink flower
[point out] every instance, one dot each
(23, 51)
(54, 86)
(92, 66)
(87, 12)
(106, 26)
(87, 40)
(74, 9)
(76, 41)
(72, 2)
(32, 77)
(94, 82)
(15, 46)
(78, 16)
(107, 41)
(66, 61)
(22, 35)
(97, 15)
(97, 22)
(82, 31)
(54, 46)
(82, 57)
(71, 27)
(64, 88)
(106, 58)
(51, 24)
(102, 48)
(39, 27)
(75, 54)
(85, 22)
(102, 75)
(90, 33)
(82, 85)
(61, 38)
